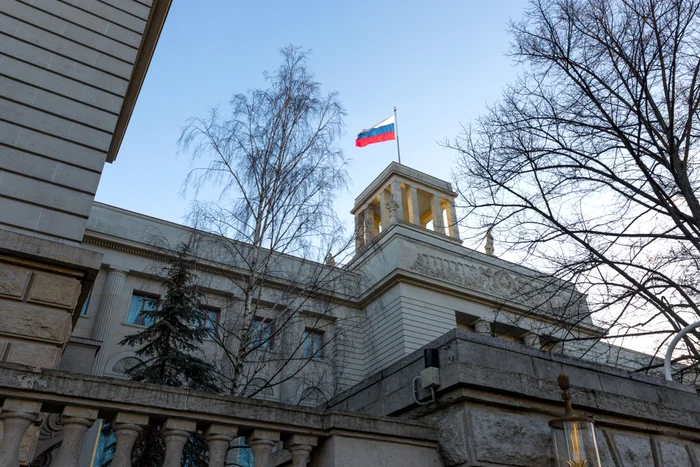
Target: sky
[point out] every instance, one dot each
(441, 64)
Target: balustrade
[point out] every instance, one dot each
(27, 394)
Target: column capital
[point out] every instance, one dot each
(117, 270)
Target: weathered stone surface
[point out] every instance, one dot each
(633, 450)
(54, 290)
(453, 439)
(23, 319)
(493, 434)
(13, 281)
(33, 354)
(673, 454)
(606, 458)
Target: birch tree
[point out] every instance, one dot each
(273, 158)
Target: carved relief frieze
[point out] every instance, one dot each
(544, 293)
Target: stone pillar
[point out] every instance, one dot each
(75, 421)
(481, 326)
(261, 443)
(127, 427)
(531, 339)
(384, 212)
(300, 446)
(437, 214)
(452, 228)
(413, 212)
(219, 440)
(109, 306)
(370, 231)
(359, 232)
(396, 191)
(176, 432)
(17, 415)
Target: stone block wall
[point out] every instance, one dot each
(39, 294)
(496, 398)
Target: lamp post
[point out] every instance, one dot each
(574, 436)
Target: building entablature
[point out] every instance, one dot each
(408, 253)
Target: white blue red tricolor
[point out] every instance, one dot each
(382, 131)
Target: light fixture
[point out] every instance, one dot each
(573, 436)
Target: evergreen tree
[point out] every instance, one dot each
(167, 349)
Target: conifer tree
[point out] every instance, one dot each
(168, 349)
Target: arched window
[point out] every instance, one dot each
(125, 364)
(312, 396)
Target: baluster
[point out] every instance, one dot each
(219, 439)
(300, 446)
(176, 432)
(17, 415)
(127, 427)
(261, 443)
(75, 421)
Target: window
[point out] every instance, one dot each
(83, 310)
(211, 321)
(141, 303)
(261, 333)
(313, 344)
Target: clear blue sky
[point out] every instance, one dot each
(441, 63)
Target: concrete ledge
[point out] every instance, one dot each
(47, 251)
(56, 389)
(493, 371)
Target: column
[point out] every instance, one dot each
(384, 212)
(370, 232)
(176, 432)
(109, 306)
(452, 228)
(396, 192)
(261, 443)
(481, 326)
(127, 427)
(75, 421)
(531, 339)
(17, 415)
(413, 212)
(219, 440)
(437, 214)
(359, 232)
(300, 446)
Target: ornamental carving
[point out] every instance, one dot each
(544, 293)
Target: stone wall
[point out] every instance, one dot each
(496, 398)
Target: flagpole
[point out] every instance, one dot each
(396, 123)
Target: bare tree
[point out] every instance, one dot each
(587, 166)
(277, 168)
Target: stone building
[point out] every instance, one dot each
(75, 274)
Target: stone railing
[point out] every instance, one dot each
(305, 433)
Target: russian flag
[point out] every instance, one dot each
(382, 131)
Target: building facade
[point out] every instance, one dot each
(75, 276)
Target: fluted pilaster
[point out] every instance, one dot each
(109, 306)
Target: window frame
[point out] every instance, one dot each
(210, 333)
(258, 326)
(311, 333)
(140, 316)
(86, 305)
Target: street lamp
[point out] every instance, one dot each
(573, 436)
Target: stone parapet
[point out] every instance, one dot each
(496, 397)
(128, 404)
